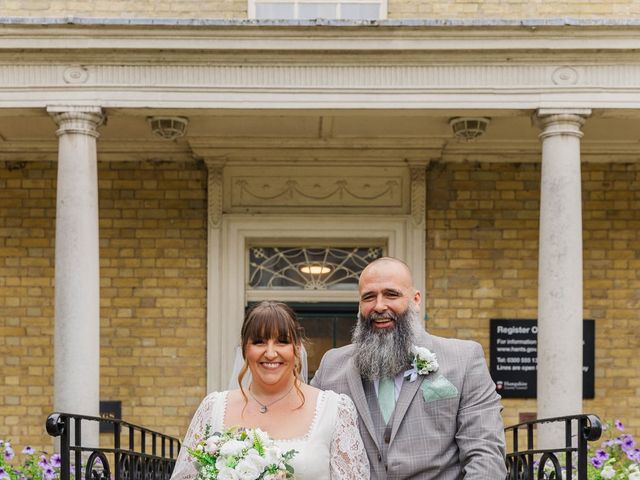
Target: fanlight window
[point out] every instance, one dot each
(284, 268)
(317, 9)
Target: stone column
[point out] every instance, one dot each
(418, 171)
(560, 270)
(77, 276)
(217, 373)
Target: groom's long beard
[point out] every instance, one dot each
(382, 353)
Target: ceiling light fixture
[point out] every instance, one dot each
(168, 128)
(468, 129)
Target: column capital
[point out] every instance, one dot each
(83, 119)
(560, 121)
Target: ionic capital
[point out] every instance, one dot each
(84, 120)
(556, 121)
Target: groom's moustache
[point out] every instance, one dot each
(375, 316)
(382, 316)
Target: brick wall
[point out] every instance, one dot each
(482, 252)
(153, 294)
(153, 290)
(27, 228)
(397, 9)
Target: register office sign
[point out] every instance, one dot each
(514, 355)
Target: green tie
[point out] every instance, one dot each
(386, 397)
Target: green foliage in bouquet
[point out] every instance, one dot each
(247, 454)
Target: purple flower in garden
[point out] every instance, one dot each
(8, 452)
(596, 462)
(627, 442)
(619, 425)
(43, 463)
(28, 450)
(3, 474)
(55, 460)
(48, 473)
(633, 455)
(602, 455)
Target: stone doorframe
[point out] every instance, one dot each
(229, 234)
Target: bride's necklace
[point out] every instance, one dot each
(264, 407)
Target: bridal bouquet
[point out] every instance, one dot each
(241, 454)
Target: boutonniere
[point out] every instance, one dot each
(424, 362)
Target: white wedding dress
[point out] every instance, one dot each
(331, 449)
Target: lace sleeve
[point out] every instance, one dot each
(348, 456)
(185, 468)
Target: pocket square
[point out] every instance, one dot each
(438, 388)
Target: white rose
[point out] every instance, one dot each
(226, 473)
(608, 472)
(212, 445)
(232, 448)
(254, 457)
(425, 355)
(221, 463)
(248, 470)
(272, 455)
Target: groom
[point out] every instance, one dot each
(440, 421)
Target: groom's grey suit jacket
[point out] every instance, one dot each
(446, 425)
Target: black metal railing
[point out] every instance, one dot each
(136, 453)
(562, 463)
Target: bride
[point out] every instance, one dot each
(321, 425)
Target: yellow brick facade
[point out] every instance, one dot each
(482, 254)
(482, 228)
(397, 9)
(153, 293)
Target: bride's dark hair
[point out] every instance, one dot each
(267, 320)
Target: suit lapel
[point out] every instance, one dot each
(405, 398)
(409, 389)
(360, 400)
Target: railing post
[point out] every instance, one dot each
(65, 463)
(568, 439)
(117, 429)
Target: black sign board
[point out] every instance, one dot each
(513, 357)
(109, 409)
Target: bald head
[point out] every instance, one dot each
(389, 265)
